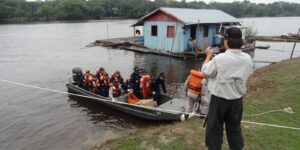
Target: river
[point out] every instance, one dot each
(43, 54)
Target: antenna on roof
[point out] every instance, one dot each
(220, 28)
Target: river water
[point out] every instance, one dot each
(43, 54)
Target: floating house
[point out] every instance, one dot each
(173, 30)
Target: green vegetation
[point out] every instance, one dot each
(273, 87)
(21, 10)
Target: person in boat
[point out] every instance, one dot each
(104, 85)
(86, 78)
(115, 89)
(100, 72)
(90, 85)
(135, 82)
(155, 85)
(116, 77)
(126, 86)
(227, 75)
(96, 85)
(192, 88)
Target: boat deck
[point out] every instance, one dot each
(174, 104)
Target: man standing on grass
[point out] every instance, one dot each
(227, 76)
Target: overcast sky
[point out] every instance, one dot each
(253, 1)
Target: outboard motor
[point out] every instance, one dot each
(77, 76)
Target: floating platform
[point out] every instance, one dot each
(263, 47)
(131, 44)
(282, 38)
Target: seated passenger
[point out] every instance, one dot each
(116, 77)
(96, 86)
(100, 72)
(86, 79)
(104, 85)
(116, 89)
(126, 86)
(90, 86)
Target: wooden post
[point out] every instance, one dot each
(107, 32)
(133, 31)
(295, 44)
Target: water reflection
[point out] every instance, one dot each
(104, 117)
(175, 69)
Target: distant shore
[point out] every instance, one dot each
(24, 21)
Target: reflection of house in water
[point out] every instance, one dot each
(172, 29)
(176, 69)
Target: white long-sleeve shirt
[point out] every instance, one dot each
(228, 73)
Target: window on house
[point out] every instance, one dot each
(170, 31)
(193, 32)
(154, 30)
(205, 31)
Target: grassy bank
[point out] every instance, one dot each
(270, 88)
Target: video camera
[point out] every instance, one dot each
(218, 44)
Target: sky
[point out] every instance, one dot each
(253, 1)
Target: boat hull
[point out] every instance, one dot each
(120, 104)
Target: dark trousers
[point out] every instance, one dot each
(157, 97)
(224, 111)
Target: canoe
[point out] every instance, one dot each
(169, 109)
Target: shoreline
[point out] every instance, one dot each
(26, 21)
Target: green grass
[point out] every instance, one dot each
(273, 87)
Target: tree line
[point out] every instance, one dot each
(22, 10)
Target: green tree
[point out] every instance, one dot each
(46, 11)
(71, 9)
(115, 10)
(5, 11)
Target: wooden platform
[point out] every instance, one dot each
(283, 38)
(131, 44)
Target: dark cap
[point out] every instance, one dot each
(234, 32)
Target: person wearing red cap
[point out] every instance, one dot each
(227, 75)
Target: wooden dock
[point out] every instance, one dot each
(283, 38)
(131, 44)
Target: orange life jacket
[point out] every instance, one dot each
(145, 86)
(105, 81)
(86, 80)
(96, 85)
(116, 90)
(194, 83)
(132, 99)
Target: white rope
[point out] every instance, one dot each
(172, 111)
(79, 95)
(263, 113)
(271, 125)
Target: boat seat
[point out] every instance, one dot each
(174, 104)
